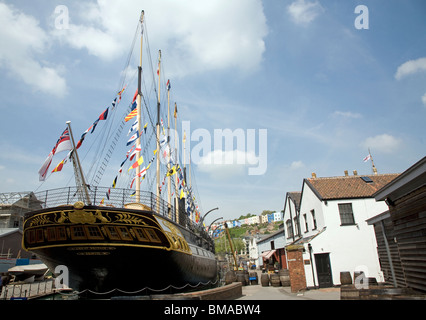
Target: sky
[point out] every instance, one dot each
(303, 85)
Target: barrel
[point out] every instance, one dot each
(284, 277)
(264, 280)
(345, 278)
(241, 277)
(246, 277)
(230, 277)
(275, 280)
(253, 278)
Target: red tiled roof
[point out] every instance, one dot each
(349, 186)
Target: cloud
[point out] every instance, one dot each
(22, 42)
(382, 143)
(424, 99)
(194, 36)
(347, 114)
(297, 165)
(410, 67)
(304, 12)
(226, 164)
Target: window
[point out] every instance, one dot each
(272, 245)
(296, 225)
(306, 223)
(77, 233)
(314, 220)
(140, 234)
(94, 233)
(289, 228)
(112, 233)
(124, 233)
(346, 214)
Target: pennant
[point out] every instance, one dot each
(367, 158)
(136, 164)
(133, 138)
(181, 194)
(135, 96)
(131, 115)
(102, 201)
(168, 85)
(103, 116)
(60, 166)
(145, 126)
(114, 183)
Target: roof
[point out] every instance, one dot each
(348, 187)
(408, 181)
(295, 197)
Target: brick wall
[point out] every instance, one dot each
(296, 268)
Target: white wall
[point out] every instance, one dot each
(353, 247)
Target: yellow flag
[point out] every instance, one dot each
(172, 171)
(181, 194)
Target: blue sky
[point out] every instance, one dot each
(324, 90)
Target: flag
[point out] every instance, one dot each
(131, 115)
(63, 143)
(114, 183)
(133, 138)
(43, 170)
(168, 85)
(60, 166)
(133, 127)
(142, 173)
(171, 172)
(137, 163)
(138, 148)
(103, 116)
(367, 158)
(145, 126)
(135, 96)
(181, 194)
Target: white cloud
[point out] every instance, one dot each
(424, 99)
(347, 114)
(410, 67)
(384, 143)
(304, 12)
(297, 165)
(226, 164)
(194, 36)
(22, 41)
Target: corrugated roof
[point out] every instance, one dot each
(348, 187)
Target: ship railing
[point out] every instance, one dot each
(118, 198)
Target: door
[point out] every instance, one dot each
(322, 263)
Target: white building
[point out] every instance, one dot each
(331, 226)
(278, 216)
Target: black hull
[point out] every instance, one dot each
(112, 251)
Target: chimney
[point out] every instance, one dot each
(314, 175)
(346, 173)
(355, 173)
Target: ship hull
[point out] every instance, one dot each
(119, 251)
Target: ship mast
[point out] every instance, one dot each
(176, 161)
(78, 172)
(158, 133)
(372, 162)
(139, 115)
(169, 182)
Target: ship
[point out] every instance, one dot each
(124, 241)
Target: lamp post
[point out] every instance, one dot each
(202, 219)
(208, 229)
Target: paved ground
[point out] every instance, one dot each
(257, 292)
